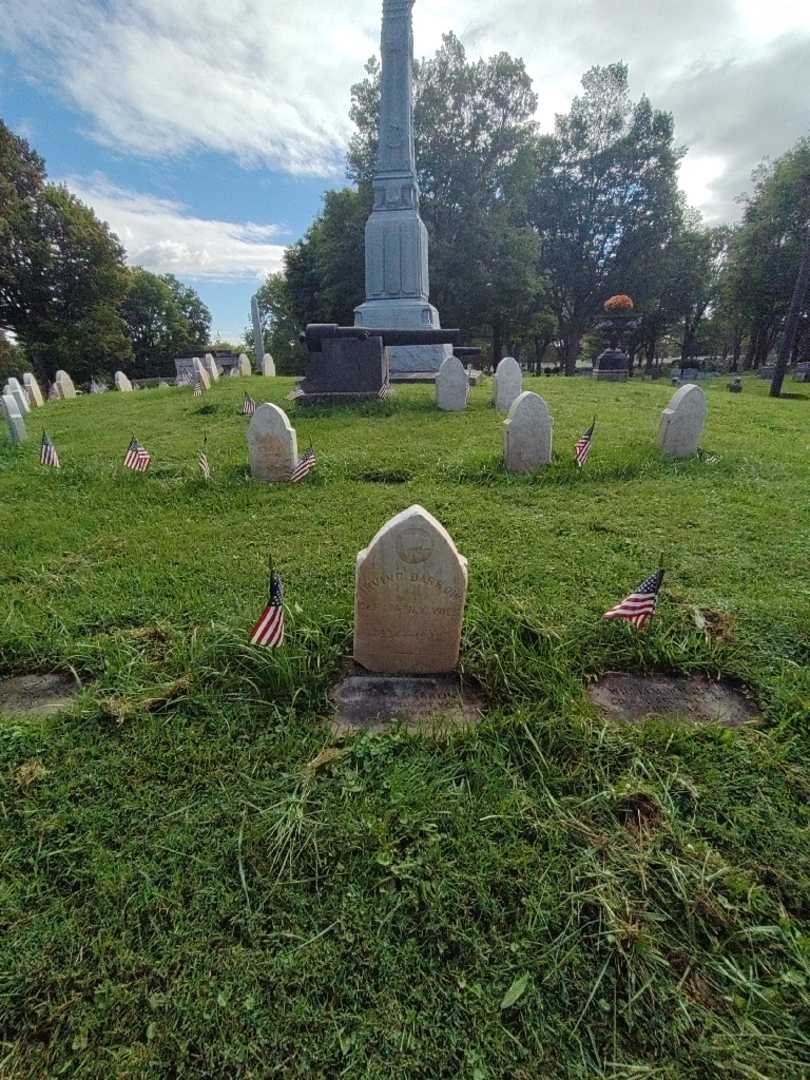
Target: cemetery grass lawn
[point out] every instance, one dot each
(195, 882)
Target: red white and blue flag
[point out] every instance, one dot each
(306, 463)
(47, 453)
(384, 390)
(269, 630)
(137, 457)
(202, 461)
(639, 607)
(583, 447)
(248, 406)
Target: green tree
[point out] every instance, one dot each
(605, 198)
(194, 311)
(157, 310)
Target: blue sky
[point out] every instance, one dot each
(206, 131)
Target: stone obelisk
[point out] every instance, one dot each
(397, 283)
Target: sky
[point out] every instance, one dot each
(206, 131)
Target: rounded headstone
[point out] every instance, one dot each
(272, 444)
(211, 366)
(13, 387)
(508, 383)
(267, 365)
(33, 391)
(66, 388)
(411, 586)
(201, 376)
(244, 365)
(682, 422)
(527, 434)
(452, 385)
(13, 417)
(122, 382)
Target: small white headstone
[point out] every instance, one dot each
(682, 422)
(122, 383)
(66, 388)
(527, 434)
(410, 589)
(508, 383)
(201, 374)
(13, 387)
(267, 365)
(35, 398)
(244, 365)
(273, 445)
(211, 365)
(452, 385)
(16, 424)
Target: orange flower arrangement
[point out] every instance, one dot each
(619, 303)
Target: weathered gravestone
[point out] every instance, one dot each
(411, 585)
(507, 384)
(527, 434)
(211, 367)
(267, 365)
(736, 385)
(35, 398)
(13, 388)
(13, 417)
(273, 445)
(244, 367)
(201, 376)
(682, 422)
(122, 383)
(64, 385)
(452, 386)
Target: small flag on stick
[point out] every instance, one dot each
(639, 607)
(583, 447)
(248, 406)
(47, 452)
(137, 457)
(306, 463)
(198, 390)
(269, 630)
(384, 391)
(202, 461)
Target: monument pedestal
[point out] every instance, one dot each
(406, 314)
(612, 364)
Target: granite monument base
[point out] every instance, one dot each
(344, 372)
(406, 314)
(613, 365)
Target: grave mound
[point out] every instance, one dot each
(697, 700)
(37, 695)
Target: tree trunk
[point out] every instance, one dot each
(571, 352)
(497, 343)
(735, 355)
(792, 324)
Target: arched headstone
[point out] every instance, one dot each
(527, 434)
(35, 398)
(682, 422)
(211, 366)
(66, 388)
(13, 417)
(410, 590)
(13, 388)
(508, 383)
(201, 376)
(267, 365)
(122, 383)
(244, 365)
(452, 385)
(273, 445)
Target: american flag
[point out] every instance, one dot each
(248, 406)
(269, 630)
(198, 388)
(47, 452)
(305, 464)
(583, 447)
(202, 461)
(384, 391)
(137, 457)
(639, 607)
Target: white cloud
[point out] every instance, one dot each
(162, 236)
(268, 83)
